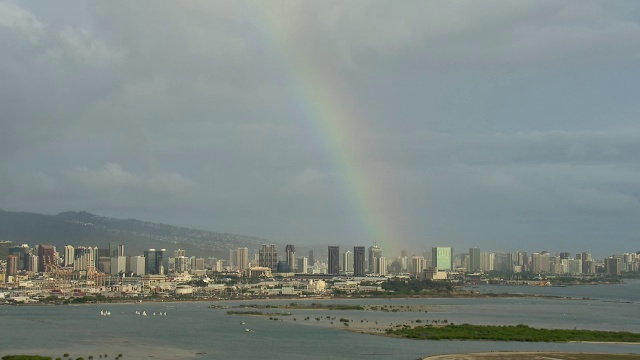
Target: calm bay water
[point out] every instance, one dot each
(193, 330)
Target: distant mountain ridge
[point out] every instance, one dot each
(86, 229)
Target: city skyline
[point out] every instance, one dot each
(405, 125)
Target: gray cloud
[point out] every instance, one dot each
(506, 125)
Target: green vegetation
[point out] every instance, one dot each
(511, 333)
(413, 286)
(25, 357)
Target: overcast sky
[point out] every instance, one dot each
(507, 125)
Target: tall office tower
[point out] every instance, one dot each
(121, 250)
(179, 252)
(291, 256)
(417, 265)
(503, 262)
(32, 263)
(381, 266)
(334, 260)
(612, 265)
(219, 265)
(160, 261)
(358, 260)
(374, 253)
(135, 265)
(243, 259)
(540, 262)
(69, 255)
(22, 252)
(523, 260)
(474, 259)
(233, 258)
(46, 257)
(442, 258)
(586, 262)
(150, 261)
(487, 261)
(403, 263)
(118, 265)
(347, 261)
(12, 265)
(268, 257)
(312, 261)
(303, 265)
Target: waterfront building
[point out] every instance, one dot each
(442, 258)
(268, 257)
(358, 260)
(22, 252)
(333, 260)
(381, 266)
(612, 265)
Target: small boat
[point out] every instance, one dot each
(101, 312)
(154, 313)
(144, 313)
(242, 322)
(165, 313)
(160, 313)
(248, 330)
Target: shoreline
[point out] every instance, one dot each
(530, 355)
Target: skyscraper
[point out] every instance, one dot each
(334, 260)
(243, 259)
(442, 258)
(374, 253)
(69, 255)
(268, 257)
(347, 261)
(358, 261)
(312, 261)
(291, 256)
(12, 265)
(154, 261)
(302, 265)
(474, 259)
(46, 257)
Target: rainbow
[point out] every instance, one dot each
(333, 116)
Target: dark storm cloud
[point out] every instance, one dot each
(507, 125)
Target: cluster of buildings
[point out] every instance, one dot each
(101, 265)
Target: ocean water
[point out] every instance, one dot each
(192, 330)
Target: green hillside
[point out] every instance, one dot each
(83, 228)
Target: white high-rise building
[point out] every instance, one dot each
(417, 265)
(303, 265)
(381, 266)
(135, 265)
(118, 265)
(69, 254)
(347, 261)
(487, 260)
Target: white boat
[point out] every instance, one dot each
(160, 313)
(154, 313)
(144, 313)
(165, 313)
(101, 312)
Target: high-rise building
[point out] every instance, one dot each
(487, 260)
(46, 257)
(290, 251)
(612, 265)
(334, 260)
(118, 265)
(154, 261)
(417, 265)
(243, 259)
(374, 253)
(179, 252)
(442, 258)
(268, 257)
(69, 255)
(474, 259)
(312, 261)
(181, 264)
(135, 265)
(32, 263)
(12, 265)
(233, 258)
(347, 261)
(358, 260)
(22, 252)
(303, 265)
(381, 266)
(121, 250)
(503, 262)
